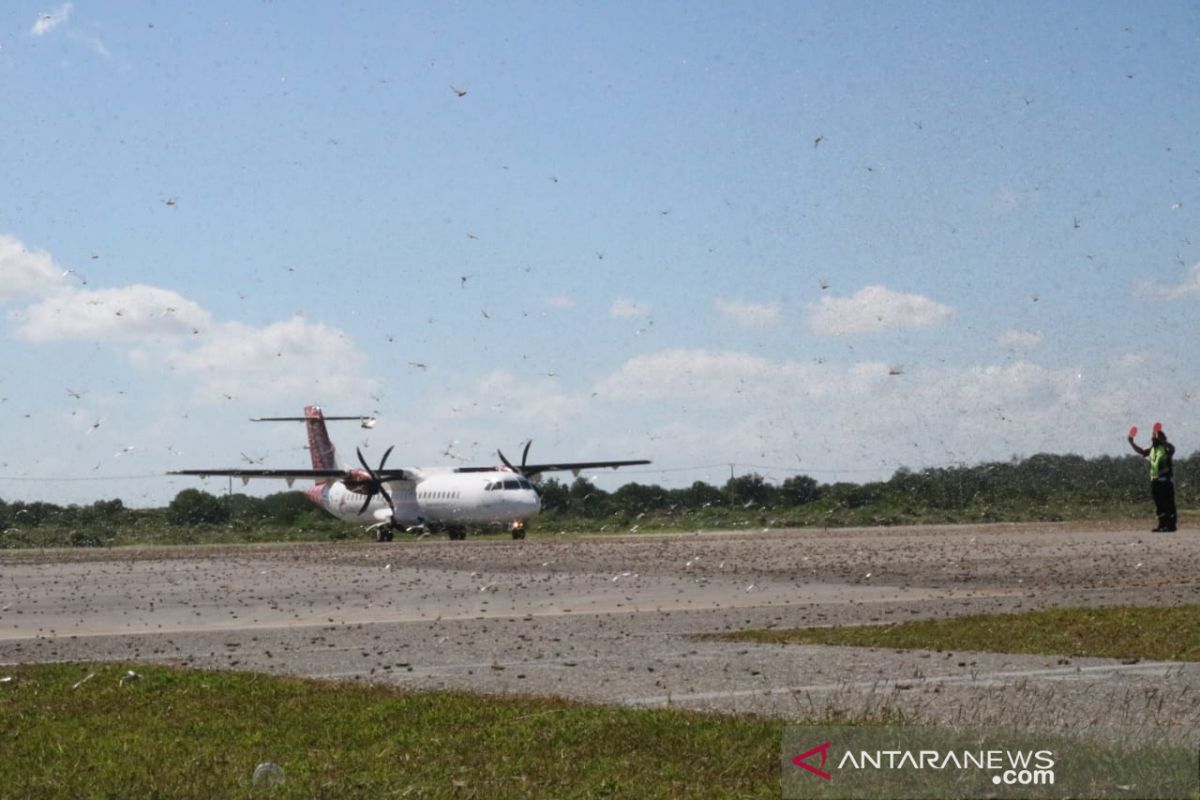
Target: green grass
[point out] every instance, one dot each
(195, 734)
(1156, 634)
(191, 734)
(821, 515)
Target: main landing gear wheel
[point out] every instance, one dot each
(383, 532)
(457, 534)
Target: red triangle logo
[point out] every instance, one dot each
(802, 760)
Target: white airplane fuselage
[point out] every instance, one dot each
(444, 498)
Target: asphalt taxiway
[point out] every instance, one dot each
(623, 619)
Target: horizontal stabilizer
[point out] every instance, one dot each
(359, 418)
(289, 474)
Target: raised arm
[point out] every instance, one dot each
(1141, 451)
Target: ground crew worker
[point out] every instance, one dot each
(1162, 482)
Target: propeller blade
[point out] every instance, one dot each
(506, 462)
(386, 453)
(376, 485)
(379, 483)
(525, 455)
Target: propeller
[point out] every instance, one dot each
(524, 455)
(376, 485)
(521, 470)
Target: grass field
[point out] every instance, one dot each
(1158, 634)
(185, 734)
(80, 731)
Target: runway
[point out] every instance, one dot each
(622, 619)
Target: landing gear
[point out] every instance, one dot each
(420, 530)
(518, 529)
(456, 533)
(384, 531)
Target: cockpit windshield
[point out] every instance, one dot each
(508, 485)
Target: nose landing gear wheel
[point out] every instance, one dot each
(518, 530)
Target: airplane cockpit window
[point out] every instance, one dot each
(512, 485)
(525, 484)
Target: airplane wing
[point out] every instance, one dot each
(565, 466)
(290, 475)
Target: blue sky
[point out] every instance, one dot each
(700, 233)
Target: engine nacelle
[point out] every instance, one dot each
(357, 481)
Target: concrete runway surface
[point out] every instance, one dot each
(617, 619)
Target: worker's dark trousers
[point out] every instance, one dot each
(1163, 492)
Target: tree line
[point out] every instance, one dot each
(1041, 487)
(1044, 486)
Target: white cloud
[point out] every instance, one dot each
(874, 309)
(48, 22)
(293, 359)
(1131, 360)
(1022, 340)
(93, 43)
(285, 360)
(1191, 286)
(723, 378)
(561, 302)
(855, 421)
(27, 273)
(1011, 199)
(131, 313)
(623, 308)
(748, 314)
(672, 373)
(532, 402)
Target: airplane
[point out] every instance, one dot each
(413, 499)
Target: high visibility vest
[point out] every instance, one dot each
(1160, 462)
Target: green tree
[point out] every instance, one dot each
(286, 507)
(700, 495)
(588, 500)
(798, 490)
(749, 490)
(194, 507)
(555, 496)
(636, 498)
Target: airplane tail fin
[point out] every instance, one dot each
(319, 445)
